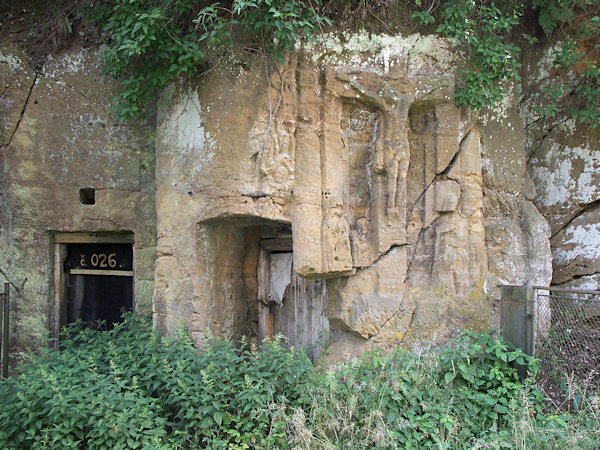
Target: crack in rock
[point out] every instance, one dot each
(23, 110)
(586, 208)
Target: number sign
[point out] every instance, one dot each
(100, 257)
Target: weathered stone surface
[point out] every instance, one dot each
(564, 163)
(449, 253)
(16, 80)
(576, 248)
(517, 236)
(67, 140)
(365, 302)
(379, 175)
(566, 171)
(446, 195)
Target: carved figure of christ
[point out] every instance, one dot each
(392, 153)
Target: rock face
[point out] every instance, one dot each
(57, 137)
(566, 170)
(410, 209)
(563, 158)
(341, 199)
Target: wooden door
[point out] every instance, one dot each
(100, 282)
(300, 315)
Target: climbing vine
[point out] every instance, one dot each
(154, 42)
(483, 30)
(577, 58)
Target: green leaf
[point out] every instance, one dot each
(449, 377)
(501, 409)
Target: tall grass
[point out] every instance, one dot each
(401, 400)
(131, 388)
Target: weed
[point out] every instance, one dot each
(130, 387)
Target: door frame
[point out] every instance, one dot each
(60, 242)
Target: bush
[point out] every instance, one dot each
(465, 392)
(129, 387)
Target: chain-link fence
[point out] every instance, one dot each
(567, 341)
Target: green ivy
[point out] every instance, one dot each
(554, 12)
(281, 23)
(154, 42)
(482, 30)
(579, 23)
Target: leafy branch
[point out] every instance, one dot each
(578, 56)
(482, 31)
(155, 42)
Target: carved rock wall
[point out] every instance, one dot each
(393, 195)
(57, 136)
(410, 209)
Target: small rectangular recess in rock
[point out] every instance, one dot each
(87, 196)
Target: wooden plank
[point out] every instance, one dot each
(262, 293)
(275, 232)
(2, 295)
(299, 324)
(317, 329)
(5, 329)
(133, 299)
(276, 245)
(262, 276)
(303, 302)
(269, 326)
(93, 238)
(263, 310)
(302, 317)
(115, 273)
(58, 286)
(60, 290)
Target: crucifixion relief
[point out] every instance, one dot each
(350, 196)
(393, 97)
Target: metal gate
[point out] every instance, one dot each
(517, 312)
(561, 327)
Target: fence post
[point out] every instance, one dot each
(517, 317)
(530, 320)
(1, 330)
(4, 349)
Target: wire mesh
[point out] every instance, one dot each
(568, 342)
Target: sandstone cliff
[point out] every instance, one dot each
(402, 212)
